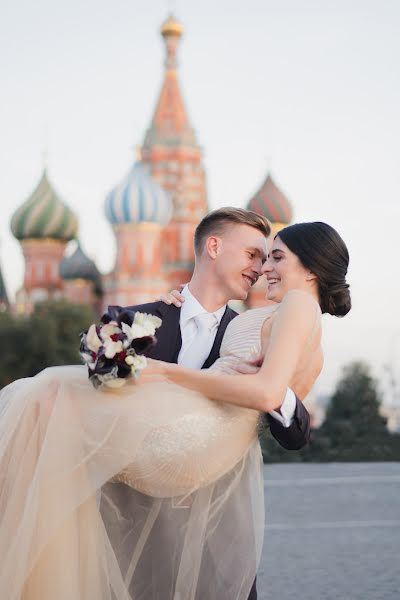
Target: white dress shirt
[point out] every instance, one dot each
(191, 308)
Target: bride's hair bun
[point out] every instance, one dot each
(336, 299)
(320, 249)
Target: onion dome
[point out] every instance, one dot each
(138, 199)
(78, 266)
(44, 215)
(171, 27)
(270, 202)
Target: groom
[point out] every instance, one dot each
(230, 249)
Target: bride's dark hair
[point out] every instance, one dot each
(320, 248)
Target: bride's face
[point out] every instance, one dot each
(285, 272)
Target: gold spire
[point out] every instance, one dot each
(171, 27)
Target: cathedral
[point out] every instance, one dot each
(153, 212)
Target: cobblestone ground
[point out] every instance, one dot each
(332, 531)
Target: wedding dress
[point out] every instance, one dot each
(145, 492)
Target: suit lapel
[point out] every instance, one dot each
(169, 339)
(227, 317)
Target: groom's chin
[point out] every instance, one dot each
(243, 295)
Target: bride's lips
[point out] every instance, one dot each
(272, 281)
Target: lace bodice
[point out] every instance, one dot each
(242, 339)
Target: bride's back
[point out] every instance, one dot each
(248, 335)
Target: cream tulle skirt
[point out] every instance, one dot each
(146, 492)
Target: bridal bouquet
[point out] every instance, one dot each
(113, 351)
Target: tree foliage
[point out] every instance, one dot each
(353, 430)
(48, 337)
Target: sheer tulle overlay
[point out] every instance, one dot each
(146, 492)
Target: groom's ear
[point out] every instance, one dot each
(213, 246)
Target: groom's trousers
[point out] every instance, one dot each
(253, 591)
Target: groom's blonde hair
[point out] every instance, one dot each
(217, 220)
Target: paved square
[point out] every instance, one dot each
(332, 531)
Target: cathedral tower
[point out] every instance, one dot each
(81, 280)
(171, 150)
(43, 225)
(138, 209)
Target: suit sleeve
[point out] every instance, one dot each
(152, 308)
(297, 435)
(149, 307)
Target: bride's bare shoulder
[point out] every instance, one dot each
(298, 312)
(299, 303)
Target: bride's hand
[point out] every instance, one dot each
(156, 370)
(174, 297)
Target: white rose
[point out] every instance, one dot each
(127, 331)
(149, 322)
(138, 331)
(137, 363)
(139, 318)
(112, 348)
(92, 340)
(108, 330)
(156, 321)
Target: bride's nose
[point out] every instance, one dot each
(267, 267)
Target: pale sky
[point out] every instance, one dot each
(309, 90)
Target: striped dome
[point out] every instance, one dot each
(44, 215)
(138, 199)
(271, 203)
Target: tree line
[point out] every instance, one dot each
(353, 429)
(48, 337)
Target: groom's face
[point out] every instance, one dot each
(242, 252)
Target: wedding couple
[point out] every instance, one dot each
(155, 490)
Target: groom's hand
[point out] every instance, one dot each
(250, 366)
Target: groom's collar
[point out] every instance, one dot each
(192, 307)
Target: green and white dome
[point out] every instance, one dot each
(44, 215)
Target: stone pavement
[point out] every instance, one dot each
(332, 532)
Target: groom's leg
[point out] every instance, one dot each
(253, 591)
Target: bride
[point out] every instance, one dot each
(184, 441)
